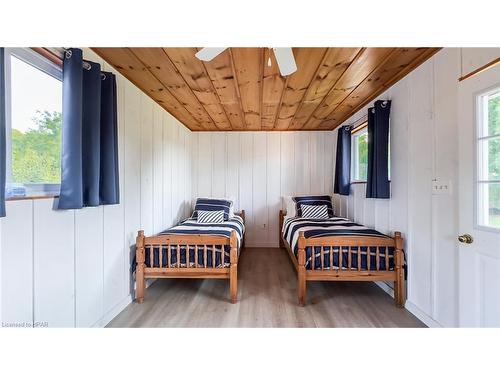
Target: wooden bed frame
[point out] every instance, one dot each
(199, 241)
(320, 274)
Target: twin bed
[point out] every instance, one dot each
(336, 249)
(321, 249)
(192, 250)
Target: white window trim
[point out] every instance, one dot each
(480, 108)
(39, 62)
(354, 155)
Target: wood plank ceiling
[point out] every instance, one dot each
(239, 91)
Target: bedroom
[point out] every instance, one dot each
(323, 186)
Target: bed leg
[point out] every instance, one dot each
(233, 270)
(280, 228)
(243, 238)
(139, 271)
(301, 287)
(399, 293)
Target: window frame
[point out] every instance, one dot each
(480, 109)
(355, 134)
(33, 58)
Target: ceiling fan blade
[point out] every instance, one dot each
(285, 60)
(209, 53)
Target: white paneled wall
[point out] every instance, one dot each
(73, 268)
(423, 148)
(257, 169)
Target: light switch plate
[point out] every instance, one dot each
(441, 187)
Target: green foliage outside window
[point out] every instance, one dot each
(362, 171)
(36, 154)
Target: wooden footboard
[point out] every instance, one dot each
(346, 272)
(207, 245)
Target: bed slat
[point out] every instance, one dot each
(368, 259)
(387, 259)
(349, 259)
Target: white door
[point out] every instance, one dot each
(479, 199)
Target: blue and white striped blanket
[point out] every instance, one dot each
(335, 226)
(191, 226)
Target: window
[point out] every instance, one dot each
(33, 106)
(488, 159)
(359, 149)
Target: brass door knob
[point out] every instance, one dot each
(466, 238)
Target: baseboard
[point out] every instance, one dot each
(423, 317)
(118, 308)
(111, 314)
(419, 314)
(386, 288)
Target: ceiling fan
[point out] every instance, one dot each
(284, 58)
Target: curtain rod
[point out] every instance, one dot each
(56, 55)
(357, 122)
(363, 118)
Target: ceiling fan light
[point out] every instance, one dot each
(209, 53)
(285, 60)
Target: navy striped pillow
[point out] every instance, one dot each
(210, 217)
(314, 212)
(206, 204)
(314, 200)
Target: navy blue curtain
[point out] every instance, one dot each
(2, 133)
(377, 184)
(109, 191)
(342, 182)
(89, 160)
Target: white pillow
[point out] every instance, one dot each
(210, 217)
(290, 207)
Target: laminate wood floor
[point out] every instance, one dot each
(267, 297)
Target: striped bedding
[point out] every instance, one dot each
(334, 226)
(191, 226)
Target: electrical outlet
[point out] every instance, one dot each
(440, 187)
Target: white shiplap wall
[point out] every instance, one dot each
(423, 148)
(257, 169)
(72, 268)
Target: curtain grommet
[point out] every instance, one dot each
(68, 53)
